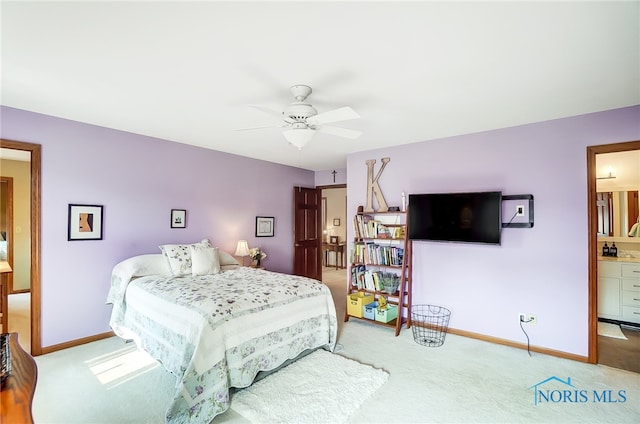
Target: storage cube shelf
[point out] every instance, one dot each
(380, 247)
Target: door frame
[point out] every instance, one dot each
(35, 189)
(592, 216)
(9, 220)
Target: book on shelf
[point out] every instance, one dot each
(357, 276)
(368, 281)
(376, 280)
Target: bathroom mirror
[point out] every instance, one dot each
(617, 212)
(617, 186)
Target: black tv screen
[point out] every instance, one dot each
(458, 217)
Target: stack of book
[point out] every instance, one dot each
(375, 254)
(367, 227)
(373, 280)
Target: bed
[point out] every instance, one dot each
(215, 328)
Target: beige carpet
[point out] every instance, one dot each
(463, 381)
(19, 306)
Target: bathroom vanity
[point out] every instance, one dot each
(619, 289)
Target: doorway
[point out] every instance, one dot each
(611, 350)
(334, 225)
(335, 258)
(33, 251)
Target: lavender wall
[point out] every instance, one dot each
(542, 270)
(325, 178)
(139, 180)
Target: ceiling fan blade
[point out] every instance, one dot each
(268, 109)
(259, 128)
(340, 132)
(341, 114)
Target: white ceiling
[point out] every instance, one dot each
(186, 71)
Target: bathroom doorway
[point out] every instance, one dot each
(613, 171)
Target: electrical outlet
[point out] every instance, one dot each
(522, 317)
(533, 320)
(520, 210)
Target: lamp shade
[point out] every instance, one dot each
(299, 137)
(242, 249)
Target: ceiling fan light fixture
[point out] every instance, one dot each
(299, 137)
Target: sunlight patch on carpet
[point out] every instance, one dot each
(121, 366)
(321, 387)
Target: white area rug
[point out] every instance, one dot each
(322, 387)
(610, 330)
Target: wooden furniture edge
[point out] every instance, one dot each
(77, 342)
(511, 343)
(16, 396)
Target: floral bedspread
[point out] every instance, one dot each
(218, 331)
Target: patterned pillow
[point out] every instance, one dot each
(204, 260)
(178, 256)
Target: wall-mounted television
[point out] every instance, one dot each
(456, 217)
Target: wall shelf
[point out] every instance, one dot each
(529, 223)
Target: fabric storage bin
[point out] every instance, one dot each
(356, 302)
(386, 315)
(370, 310)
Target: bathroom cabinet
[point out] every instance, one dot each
(619, 290)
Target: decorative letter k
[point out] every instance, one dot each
(372, 186)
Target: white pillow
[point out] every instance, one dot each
(204, 260)
(178, 256)
(141, 265)
(227, 259)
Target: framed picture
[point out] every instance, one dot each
(336, 222)
(85, 222)
(265, 226)
(333, 239)
(178, 218)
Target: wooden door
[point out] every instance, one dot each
(634, 209)
(605, 213)
(307, 232)
(6, 227)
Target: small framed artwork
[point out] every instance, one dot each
(336, 222)
(333, 239)
(265, 226)
(178, 218)
(85, 222)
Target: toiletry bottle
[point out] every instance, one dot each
(605, 249)
(613, 250)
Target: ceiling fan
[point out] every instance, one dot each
(301, 120)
